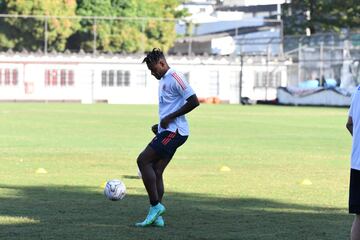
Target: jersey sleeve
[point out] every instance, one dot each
(182, 86)
(354, 100)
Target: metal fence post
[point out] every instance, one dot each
(299, 62)
(95, 35)
(321, 63)
(46, 35)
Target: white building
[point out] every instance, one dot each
(249, 23)
(123, 79)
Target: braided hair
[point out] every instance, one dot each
(153, 57)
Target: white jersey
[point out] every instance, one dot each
(173, 92)
(354, 113)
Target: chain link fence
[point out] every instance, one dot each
(89, 34)
(318, 57)
(100, 34)
(324, 57)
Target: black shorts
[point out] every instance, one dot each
(354, 192)
(166, 143)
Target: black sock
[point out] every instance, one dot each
(154, 203)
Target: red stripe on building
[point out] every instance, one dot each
(179, 80)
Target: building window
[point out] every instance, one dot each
(127, 79)
(271, 79)
(15, 77)
(119, 78)
(7, 76)
(115, 78)
(54, 76)
(263, 79)
(64, 77)
(111, 78)
(47, 77)
(214, 83)
(103, 78)
(71, 80)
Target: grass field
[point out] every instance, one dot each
(270, 150)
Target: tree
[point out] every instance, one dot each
(126, 35)
(84, 37)
(320, 16)
(29, 33)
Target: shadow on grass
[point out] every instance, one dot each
(83, 213)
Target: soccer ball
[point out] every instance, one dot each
(115, 190)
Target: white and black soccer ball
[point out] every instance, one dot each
(115, 190)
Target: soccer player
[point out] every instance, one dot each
(176, 98)
(353, 125)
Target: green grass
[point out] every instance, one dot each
(269, 149)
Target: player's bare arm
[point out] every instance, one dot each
(349, 125)
(191, 103)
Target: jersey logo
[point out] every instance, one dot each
(179, 80)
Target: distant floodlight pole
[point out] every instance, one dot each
(241, 76)
(46, 35)
(267, 83)
(299, 61)
(282, 38)
(94, 30)
(189, 33)
(321, 63)
(190, 46)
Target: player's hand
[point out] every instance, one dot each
(154, 129)
(164, 123)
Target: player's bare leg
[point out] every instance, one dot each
(159, 168)
(355, 229)
(145, 162)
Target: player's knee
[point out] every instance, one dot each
(159, 172)
(140, 160)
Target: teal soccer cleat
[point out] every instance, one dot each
(159, 222)
(154, 213)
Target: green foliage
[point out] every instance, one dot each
(142, 32)
(132, 35)
(28, 33)
(325, 15)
